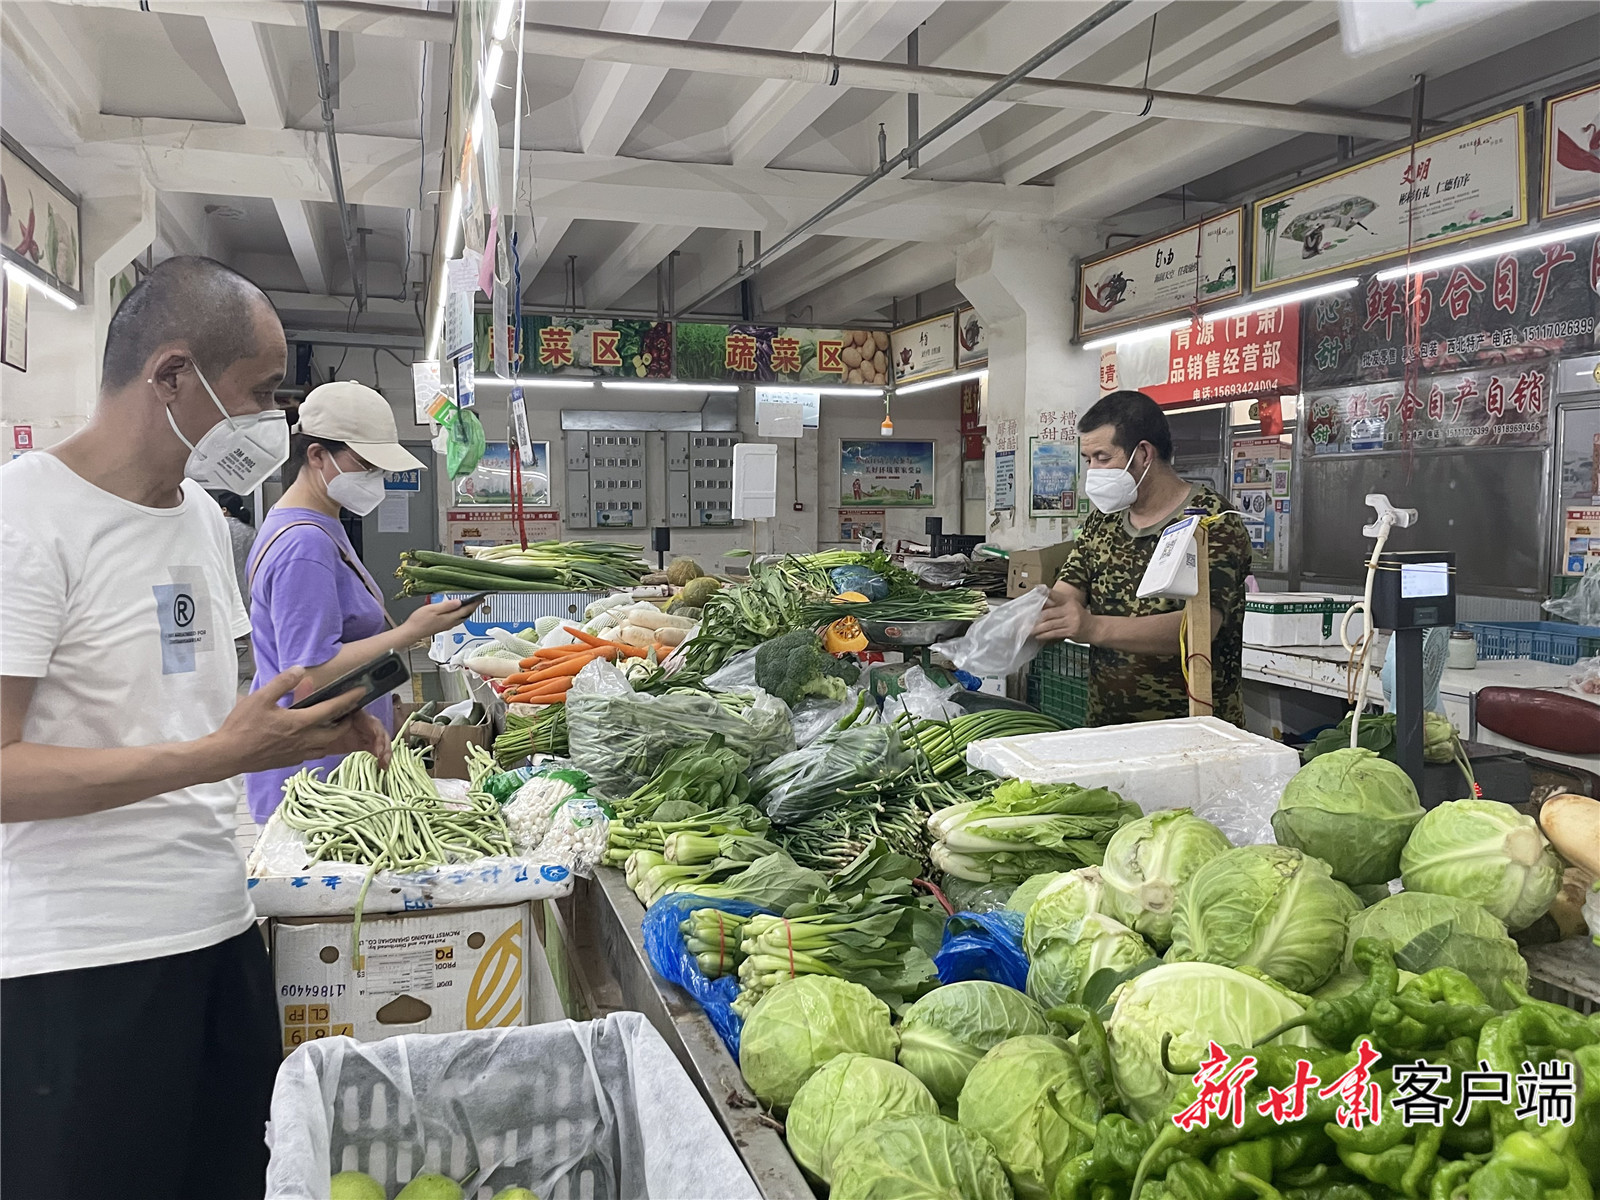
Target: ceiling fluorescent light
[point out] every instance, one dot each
(541, 382)
(645, 385)
(452, 222)
(1531, 242)
(925, 384)
(502, 19)
(34, 283)
(1273, 301)
(848, 391)
(1135, 335)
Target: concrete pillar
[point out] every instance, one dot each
(1021, 277)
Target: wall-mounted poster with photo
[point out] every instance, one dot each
(1053, 469)
(490, 483)
(1571, 152)
(885, 474)
(40, 221)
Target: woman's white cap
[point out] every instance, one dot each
(354, 414)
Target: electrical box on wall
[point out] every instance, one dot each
(700, 479)
(605, 479)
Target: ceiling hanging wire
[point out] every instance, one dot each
(325, 95)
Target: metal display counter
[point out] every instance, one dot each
(599, 929)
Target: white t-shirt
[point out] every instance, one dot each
(125, 616)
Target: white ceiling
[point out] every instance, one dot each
(628, 164)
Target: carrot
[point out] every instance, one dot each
(627, 651)
(549, 696)
(585, 637)
(571, 667)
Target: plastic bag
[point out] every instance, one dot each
(465, 443)
(618, 738)
(1000, 642)
(1585, 676)
(983, 946)
(600, 1109)
(663, 942)
(924, 699)
(738, 674)
(818, 715)
(801, 784)
(862, 580)
(967, 895)
(1582, 604)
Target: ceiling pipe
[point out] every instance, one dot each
(325, 94)
(754, 62)
(746, 269)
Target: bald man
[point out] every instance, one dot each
(138, 1029)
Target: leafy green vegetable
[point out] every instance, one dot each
(1195, 1003)
(846, 1095)
(1351, 809)
(1061, 904)
(1063, 966)
(802, 1024)
(1028, 890)
(1148, 860)
(1269, 907)
(1029, 1098)
(1022, 829)
(918, 1158)
(946, 1032)
(1486, 852)
(794, 666)
(773, 881)
(1426, 931)
(1377, 733)
(804, 782)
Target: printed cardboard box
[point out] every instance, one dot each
(1027, 569)
(436, 971)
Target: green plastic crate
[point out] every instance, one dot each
(1058, 683)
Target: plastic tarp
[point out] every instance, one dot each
(570, 1110)
(983, 946)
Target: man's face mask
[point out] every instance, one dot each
(237, 454)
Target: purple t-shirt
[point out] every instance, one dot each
(305, 603)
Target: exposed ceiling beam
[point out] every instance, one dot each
(45, 42)
(780, 111)
(873, 286)
(631, 261)
(798, 274)
(248, 64)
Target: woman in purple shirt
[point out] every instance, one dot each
(312, 603)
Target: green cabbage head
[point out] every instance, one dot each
(1061, 904)
(918, 1158)
(945, 1033)
(1427, 931)
(1268, 907)
(801, 1024)
(1196, 1003)
(1351, 809)
(846, 1095)
(1029, 1098)
(1486, 852)
(1061, 968)
(1148, 860)
(1028, 890)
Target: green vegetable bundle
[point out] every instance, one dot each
(541, 567)
(1022, 829)
(802, 783)
(952, 604)
(943, 744)
(690, 779)
(738, 618)
(543, 733)
(893, 809)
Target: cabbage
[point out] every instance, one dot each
(800, 1025)
(918, 1158)
(1029, 1097)
(1196, 1003)
(846, 1095)
(1269, 907)
(1028, 890)
(946, 1032)
(1351, 809)
(1427, 931)
(1062, 903)
(1148, 860)
(1486, 852)
(1062, 966)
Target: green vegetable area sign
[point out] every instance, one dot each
(552, 345)
(780, 354)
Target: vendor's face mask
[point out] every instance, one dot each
(1114, 489)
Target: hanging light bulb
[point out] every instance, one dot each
(887, 428)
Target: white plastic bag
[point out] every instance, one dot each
(924, 699)
(1582, 604)
(1585, 676)
(813, 717)
(1001, 642)
(738, 674)
(599, 1109)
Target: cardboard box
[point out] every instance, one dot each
(436, 971)
(449, 742)
(1030, 568)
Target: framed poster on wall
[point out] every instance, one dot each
(1198, 264)
(875, 473)
(1053, 474)
(14, 324)
(1571, 152)
(490, 482)
(42, 233)
(923, 350)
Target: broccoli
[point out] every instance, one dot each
(795, 665)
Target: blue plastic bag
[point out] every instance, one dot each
(983, 946)
(663, 942)
(862, 580)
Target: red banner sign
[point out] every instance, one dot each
(1254, 354)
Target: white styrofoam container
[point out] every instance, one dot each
(1297, 618)
(518, 610)
(1232, 778)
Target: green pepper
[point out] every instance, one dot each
(1450, 1177)
(1245, 1158)
(1340, 1021)
(1424, 1161)
(1372, 1138)
(1431, 1010)
(1386, 1169)
(1094, 1052)
(1119, 1144)
(1528, 1166)
(1330, 1191)
(1586, 1115)
(1534, 1030)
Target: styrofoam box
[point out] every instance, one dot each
(440, 971)
(1297, 618)
(1232, 778)
(517, 610)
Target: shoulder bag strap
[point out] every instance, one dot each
(261, 554)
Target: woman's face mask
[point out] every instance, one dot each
(237, 454)
(359, 491)
(1114, 489)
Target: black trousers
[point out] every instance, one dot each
(142, 1079)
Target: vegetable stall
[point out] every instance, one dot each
(895, 963)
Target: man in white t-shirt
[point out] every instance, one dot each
(138, 1027)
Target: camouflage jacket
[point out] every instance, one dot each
(1107, 562)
